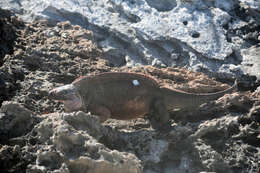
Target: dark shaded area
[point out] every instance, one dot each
(8, 33)
(248, 83)
(195, 34)
(9, 83)
(9, 26)
(241, 147)
(12, 160)
(249, 32)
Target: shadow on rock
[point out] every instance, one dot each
(8, 33)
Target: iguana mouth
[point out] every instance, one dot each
(68, 95)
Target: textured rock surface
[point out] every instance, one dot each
(14, 121)
(199, 35)
(251, 61)
(37, 136)
(8, 34)
(68, 146)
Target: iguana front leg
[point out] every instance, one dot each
(103, 113)
(160, 116)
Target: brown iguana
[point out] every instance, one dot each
(122, 95)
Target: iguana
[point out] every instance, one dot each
(123, 95)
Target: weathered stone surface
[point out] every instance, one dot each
(8, 34)
(199, 35)
(15, 120)
(76, 148)
(251, 61)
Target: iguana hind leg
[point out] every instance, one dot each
(160, 116)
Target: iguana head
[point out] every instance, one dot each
(69, 95)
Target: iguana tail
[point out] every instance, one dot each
(179, 99)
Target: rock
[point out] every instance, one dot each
(15, 120)
(251, 62)
(8, 32)
(12, 159)
(213, 126)
(255, 112)
(9, 78)
(257, 92)
(218, 157)
(68, 143)
(36, 169)
(253, 7)
(148, 148)
(212, 160)
(235, 101)
(198, 35)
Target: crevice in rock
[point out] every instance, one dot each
(249, 32)
(75, 18)
(195, 34)
(129, 17)
(185, 22)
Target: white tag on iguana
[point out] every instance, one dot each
(135, 82)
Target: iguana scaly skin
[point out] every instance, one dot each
(122, 95)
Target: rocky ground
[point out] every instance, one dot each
(217, 37)
(36, 136)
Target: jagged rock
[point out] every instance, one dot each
(8, 32)
(146, 146)
(212, 160)
(215, 126)
(255, 112)
(13, 159)
(15, 120)
(199, 35)
(65, 142)
(253, 7)
(251, 61)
